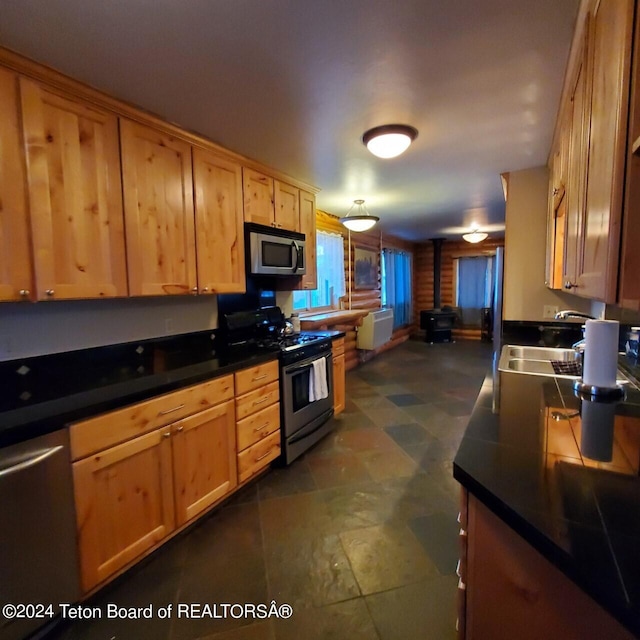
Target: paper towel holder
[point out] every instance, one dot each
(599, 394)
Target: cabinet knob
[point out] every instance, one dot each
(24, 293)
(205, 289)
(556, 191)
(194, 290)
(50, 292)
(167, 434)
(569, 285)
(180, 429)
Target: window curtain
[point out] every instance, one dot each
(396, 285)
(475, 288)
(330, 270)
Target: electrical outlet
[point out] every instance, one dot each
(168, 325)
(549, 311)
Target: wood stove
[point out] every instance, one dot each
(438, 324)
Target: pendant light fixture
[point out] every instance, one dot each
(475, 236)
(358, 218)
(389, 140)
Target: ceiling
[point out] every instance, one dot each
(295, 83)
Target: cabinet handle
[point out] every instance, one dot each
(263, 456)
(180, 429)
(569, 285)
(24, 292)
(556, 191)
(266, 424)
(194, 290)
(259, 378)
(50, 292)
(164, 413)
(167, 434)
(205, 290)
(260, 401)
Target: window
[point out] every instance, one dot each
(396, 285)
(474, 288)
(330, 261)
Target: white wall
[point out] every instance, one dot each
(525, 293)
(28, 329)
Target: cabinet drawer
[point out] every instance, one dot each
(106, 430)
(258, 426)
(337, 347)
(257, 457)
(257, 400)
(250, 379)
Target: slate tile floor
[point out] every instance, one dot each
(359, 535)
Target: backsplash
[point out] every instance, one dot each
(28, 329)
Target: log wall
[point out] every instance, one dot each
(366, 299)
(423, 276)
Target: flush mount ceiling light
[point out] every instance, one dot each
(475, 236)
(360, 219)
(389, 140)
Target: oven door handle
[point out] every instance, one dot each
(296, 251)
(292, 369)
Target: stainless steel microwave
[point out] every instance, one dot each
(275, 252)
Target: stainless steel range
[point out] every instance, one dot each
(306, 374)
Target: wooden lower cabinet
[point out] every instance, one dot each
(204, 460)
(338, 376)
(512, 591)
(124, 504)
(132, 495)
(258, 412)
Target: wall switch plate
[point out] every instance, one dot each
(550, 310)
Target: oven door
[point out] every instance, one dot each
(297, 410)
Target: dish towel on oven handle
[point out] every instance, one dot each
(318, 387)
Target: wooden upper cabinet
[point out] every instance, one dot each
(258, 197)
(73, 169)
(204, 459)
(159, 215)
(219, 226)
(577, 172)
(16, 282)
(287, 206)
(611, 34)
(308, 227)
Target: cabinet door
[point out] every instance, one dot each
(158, 205)
(15, 269)
(73, 169)
(577, 174)
(258, 197)
(204, 459)
(308, 227)
(338, 384)
(124, 504)
(287, 206)
(219, 228)
(611, 55)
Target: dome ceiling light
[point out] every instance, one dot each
(389, 140)
(361, 219)
(475, 236)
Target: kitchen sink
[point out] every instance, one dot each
(536, 361)
(542, 353)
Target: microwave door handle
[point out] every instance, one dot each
(296, 250)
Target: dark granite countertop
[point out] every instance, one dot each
(564, 474)
(42, 394)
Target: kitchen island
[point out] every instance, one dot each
(550, 525)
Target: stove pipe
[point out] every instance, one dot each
(437, 270)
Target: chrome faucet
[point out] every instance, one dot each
(570, 313)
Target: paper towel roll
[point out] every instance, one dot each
(597, 427)
(600, 353)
